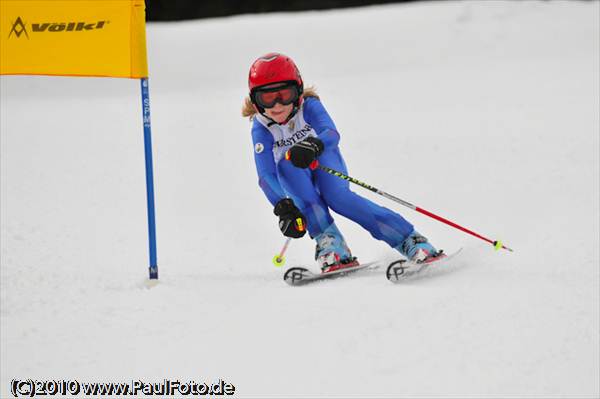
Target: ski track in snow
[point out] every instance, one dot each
(483, 112)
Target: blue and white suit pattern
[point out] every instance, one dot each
(315, 192)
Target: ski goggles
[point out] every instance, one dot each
(284, 95)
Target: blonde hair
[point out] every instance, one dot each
(248, 110)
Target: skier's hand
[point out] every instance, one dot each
(291, 221)
(305, 152)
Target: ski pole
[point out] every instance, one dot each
(279, 259)
(497, 244)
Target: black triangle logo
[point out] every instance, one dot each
(18, 28)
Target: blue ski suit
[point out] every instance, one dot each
(315, 192)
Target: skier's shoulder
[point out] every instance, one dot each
(311, 102)
(312, 106)
(259, 129)
(258, 125)
(316, 115)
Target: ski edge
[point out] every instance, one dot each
(410, 269)
(297, 275)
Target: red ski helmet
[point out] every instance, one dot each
(274, 68)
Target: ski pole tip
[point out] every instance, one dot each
(498, 245)
(278, 261)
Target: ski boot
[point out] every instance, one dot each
(417, 249)
(332, 253)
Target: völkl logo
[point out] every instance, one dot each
(18, 28)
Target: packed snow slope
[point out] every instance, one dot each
(483, 112)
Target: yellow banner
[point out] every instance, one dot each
(73, 38)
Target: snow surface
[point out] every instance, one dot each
(484, 112)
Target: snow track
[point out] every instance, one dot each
(483, 112)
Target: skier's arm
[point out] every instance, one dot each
(316, 116)
(265, 163)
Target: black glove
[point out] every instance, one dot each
(305, 152)
(291, 221)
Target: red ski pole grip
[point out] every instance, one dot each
(314, 165)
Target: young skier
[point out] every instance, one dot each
(290, 130)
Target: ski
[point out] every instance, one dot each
(396, 271)
(403, 269)
(296, 276)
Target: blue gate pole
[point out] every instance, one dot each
(149, 177)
